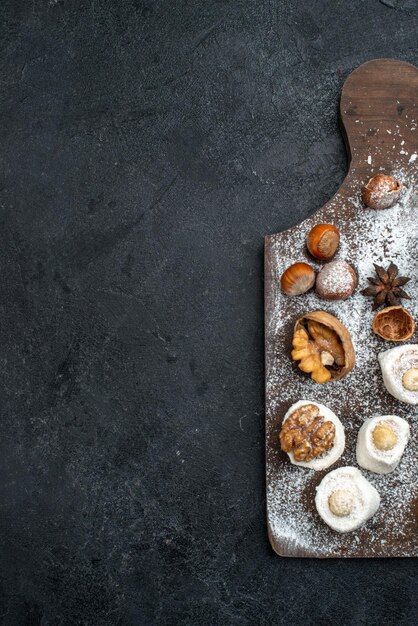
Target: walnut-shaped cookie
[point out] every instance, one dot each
(312, 435)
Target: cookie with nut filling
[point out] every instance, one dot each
(345, 499)
(400, 372)
(312, 435)
(381, 443)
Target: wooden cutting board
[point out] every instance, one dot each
(379, 116)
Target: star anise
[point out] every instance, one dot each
(387, 287)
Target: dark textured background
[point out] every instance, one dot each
(146, 148)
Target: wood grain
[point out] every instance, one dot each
(378, 98)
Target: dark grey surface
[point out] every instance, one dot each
(146, 149)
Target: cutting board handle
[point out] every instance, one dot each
(379, 116)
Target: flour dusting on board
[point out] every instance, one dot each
(369, 237)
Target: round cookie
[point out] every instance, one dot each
(326, 440)
(345, 500)
(381, 442)
(400, 372)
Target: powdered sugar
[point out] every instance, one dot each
(368, 237)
